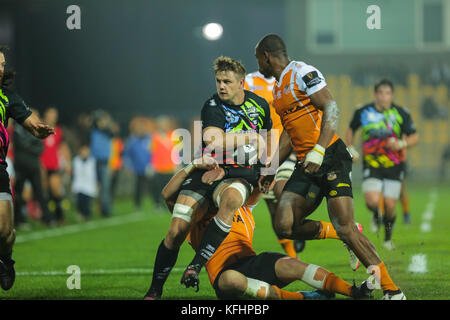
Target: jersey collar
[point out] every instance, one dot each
(285, 70)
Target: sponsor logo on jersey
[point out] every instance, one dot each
(331, 176)
(311, 79)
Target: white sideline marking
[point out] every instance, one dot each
(428, 215)
(94, 272)
(91, 225)
(418, 263)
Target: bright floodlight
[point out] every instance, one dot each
(212, 31)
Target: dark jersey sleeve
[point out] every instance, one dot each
(355, 123)
(17, 108)
(267, 118)
(211, 115)
(408, 126)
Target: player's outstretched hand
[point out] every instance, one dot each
(43, 130)
(209, 177)
(266, 183)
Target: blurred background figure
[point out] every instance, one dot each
(161, 162)
(84, 183)
(27, 151)
(101, 137)
(115, 160)
(137, 154)
(55, 154)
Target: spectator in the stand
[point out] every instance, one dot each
(51, 161)
(115, 161)
(137, 154)
(84, 183)
(28, 149)
(101, 136)
(162, 152)
(84, 127)
(444, 162)
(429, 109)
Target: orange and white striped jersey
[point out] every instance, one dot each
(237, 245)
(299, 116)
(263, 87)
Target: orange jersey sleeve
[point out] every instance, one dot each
(263, 87)
(300, 118)
(237, 244)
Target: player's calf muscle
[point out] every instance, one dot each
(177, 233)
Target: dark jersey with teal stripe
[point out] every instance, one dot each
(11, 106)
(377, 128)
(251, 116)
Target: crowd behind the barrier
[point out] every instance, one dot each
(82, 170)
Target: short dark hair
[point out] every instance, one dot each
(8, 76)
(273, 44)
(384, 82)
(228, 64)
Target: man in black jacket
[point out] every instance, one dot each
(27, 150)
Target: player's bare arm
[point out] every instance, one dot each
(37, 128)
(216, 139)
(324, 101)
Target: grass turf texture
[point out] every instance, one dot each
(116, 254)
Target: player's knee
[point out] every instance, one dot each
(231, 200)
(372, 204)
(283, 229)
(7, 234)
(389, 207)
(230, 282)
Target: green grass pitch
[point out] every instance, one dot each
(116, 255)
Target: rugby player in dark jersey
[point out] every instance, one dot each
(11, 106)
(387, 131)
(231, 122)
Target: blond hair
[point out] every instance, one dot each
(228, 64)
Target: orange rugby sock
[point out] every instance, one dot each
(287, 295)
(288, 247)
(335, 284)
(405, 203)
(328, 231)
(385, 280)
(381, 206)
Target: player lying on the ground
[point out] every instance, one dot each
(235, 271)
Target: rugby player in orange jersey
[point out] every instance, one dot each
(310, 115)
(235, 271)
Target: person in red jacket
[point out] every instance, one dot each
(51, 159)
